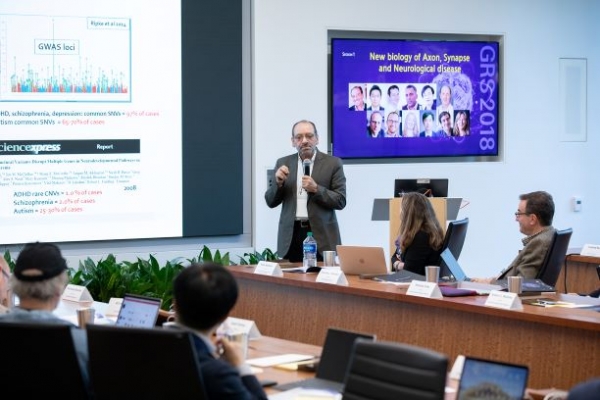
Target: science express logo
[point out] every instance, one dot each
(31, 148)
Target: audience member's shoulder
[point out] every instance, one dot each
(588, 390)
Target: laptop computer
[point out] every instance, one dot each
(529, 286)
(456, 272)
(138, 311)
(487, 379)
(334, 360)
(362, 260)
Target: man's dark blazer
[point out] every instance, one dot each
(328, 173)
(222, 381)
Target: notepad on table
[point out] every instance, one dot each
(280, 359)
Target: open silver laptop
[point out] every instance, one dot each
(362, 260)
(138, 311)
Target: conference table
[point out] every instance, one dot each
(266, 346)
(578, 274)
(561, 346)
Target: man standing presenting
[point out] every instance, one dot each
(310, 186)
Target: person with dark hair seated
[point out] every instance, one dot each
(204, 294)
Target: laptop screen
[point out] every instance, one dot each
(487, 379)
(452, 265)
(138, 311)
(428, 187)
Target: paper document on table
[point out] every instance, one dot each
(305, 394)
(281, 359)
(479, 287)
(548, 302)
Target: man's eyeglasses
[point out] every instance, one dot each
(300, 137)
(519, 213)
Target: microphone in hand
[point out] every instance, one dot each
(306, 165)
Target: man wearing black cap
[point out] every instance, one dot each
(38, 280)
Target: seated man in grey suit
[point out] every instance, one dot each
(534, 215)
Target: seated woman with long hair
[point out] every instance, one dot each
(420, 238)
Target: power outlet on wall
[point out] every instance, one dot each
(576, 203)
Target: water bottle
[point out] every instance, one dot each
(309, 247)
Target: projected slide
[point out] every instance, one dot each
(82, 155)
(54, 58)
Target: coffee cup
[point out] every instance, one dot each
(432, 273)
(85, 316)
(329, 258)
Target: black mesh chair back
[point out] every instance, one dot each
(454, 240)
(555, 258)
(387, 370)
(142, 363)
(39, 361)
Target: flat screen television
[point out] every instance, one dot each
(414, 98)
(428, 187)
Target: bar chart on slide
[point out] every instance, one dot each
(65, 59)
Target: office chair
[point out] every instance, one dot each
(555, 258)
(142, 363)
(453, 240)
(387, 370)
(39, 361)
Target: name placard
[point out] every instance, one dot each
(268, 268)
(239, 325)
(113, 308)
(424, 289)
(76, 293)
(505, 300)
(591, 250)
(333, 276)
(457, 367)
